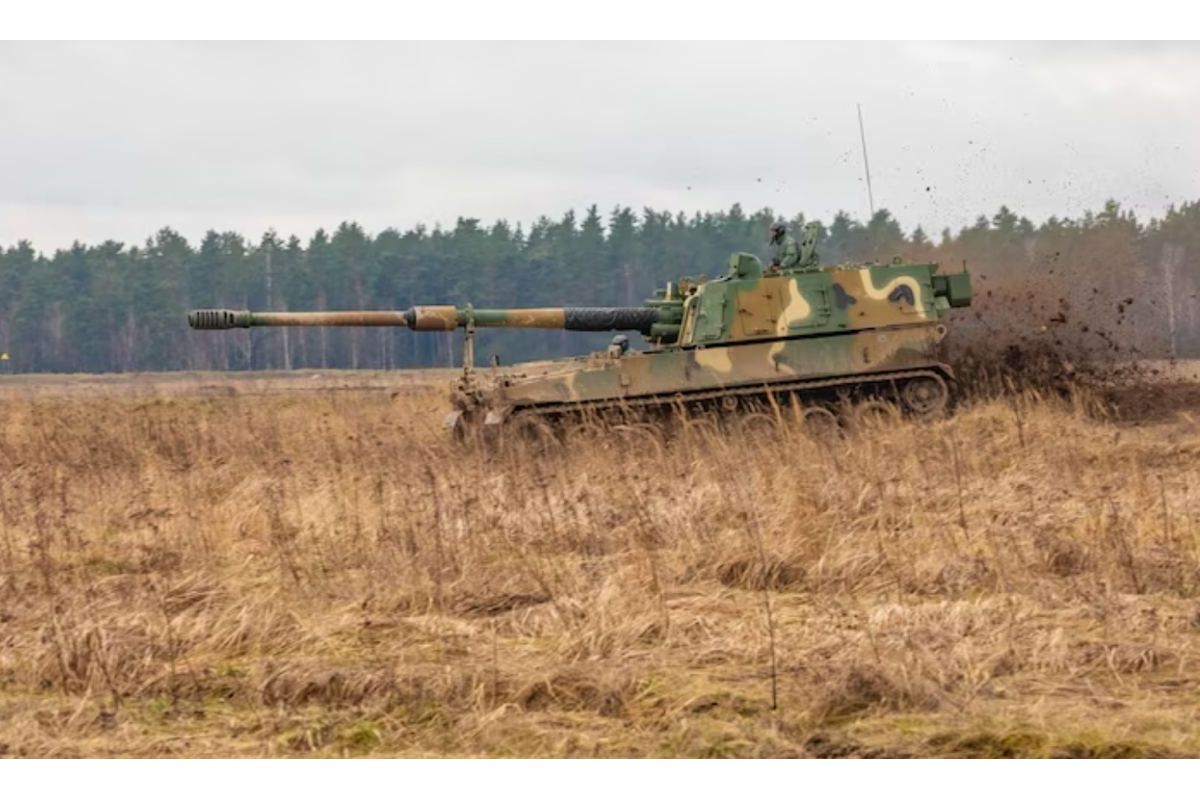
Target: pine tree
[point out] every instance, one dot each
(112, 307)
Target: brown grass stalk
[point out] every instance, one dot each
(201, 567)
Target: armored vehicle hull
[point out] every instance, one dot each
(867, 362)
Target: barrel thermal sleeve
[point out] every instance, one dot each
(609, 319)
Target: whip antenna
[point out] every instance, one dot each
(862, 133)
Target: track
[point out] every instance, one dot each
(873, 383)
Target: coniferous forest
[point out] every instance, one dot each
(1104, 282)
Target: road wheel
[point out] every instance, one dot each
(872, 415)
(925, 397)
(638, 437)
(821, 424)
(584, 434)
(756, 424)
(700, 428)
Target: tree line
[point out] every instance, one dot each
(116, 308)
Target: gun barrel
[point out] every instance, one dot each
(223, 319)
(436, 318)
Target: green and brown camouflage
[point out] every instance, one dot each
(802, 333)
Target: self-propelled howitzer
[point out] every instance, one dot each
(768, 337)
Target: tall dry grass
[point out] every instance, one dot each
(289, 573)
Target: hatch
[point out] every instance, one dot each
(811, 309)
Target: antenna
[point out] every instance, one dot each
(866, 164)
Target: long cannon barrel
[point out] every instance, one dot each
(437, 318)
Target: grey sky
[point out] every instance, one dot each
(101, 141)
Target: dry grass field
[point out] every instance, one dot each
(215, 567)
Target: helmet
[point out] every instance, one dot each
(776, 230)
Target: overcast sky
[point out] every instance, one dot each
(114, 141)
